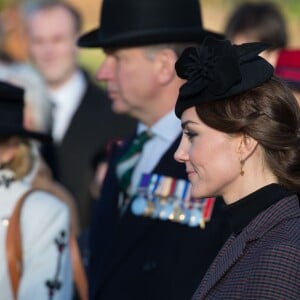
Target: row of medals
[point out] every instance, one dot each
(167, 198)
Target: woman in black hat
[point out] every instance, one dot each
(140, 243)
(241, 140)
(44, 221)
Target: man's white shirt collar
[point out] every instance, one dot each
(167, 128)
(66, 101)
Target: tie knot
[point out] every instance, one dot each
(136, 145)
(142, 138)
(130, 158)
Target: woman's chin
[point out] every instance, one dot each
(195, 193)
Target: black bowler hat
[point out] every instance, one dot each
(127, 23)
(218, 70)
(11, 114)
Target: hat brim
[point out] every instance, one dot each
(7, 132)
(96, 38)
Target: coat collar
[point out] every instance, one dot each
(232, 250)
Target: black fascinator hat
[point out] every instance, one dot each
(218, 70)
(11, 114)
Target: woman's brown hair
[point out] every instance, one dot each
(270, 114)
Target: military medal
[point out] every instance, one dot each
(179, 212)
(174, 200)
(170, 199)
(163, 194)
(153, 186)
(178, 215)
(157, 207)
(150, 208)
(139, 204)
(196, 218)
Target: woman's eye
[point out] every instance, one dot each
(190, 135)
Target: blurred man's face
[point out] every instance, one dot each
(130, 80)
(52, 44)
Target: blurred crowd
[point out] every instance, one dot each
(83, 125)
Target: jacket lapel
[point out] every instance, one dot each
(137, 226)
(234, 247)
(229, 254)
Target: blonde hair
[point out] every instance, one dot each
(22, 162)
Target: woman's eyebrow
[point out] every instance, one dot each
(186, 123)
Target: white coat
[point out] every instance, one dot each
(44, 221)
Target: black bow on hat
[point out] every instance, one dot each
(144, 22)
(218, 70)
(11, 113)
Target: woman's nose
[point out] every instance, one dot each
(180, 154)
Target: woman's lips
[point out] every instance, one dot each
(190, 173)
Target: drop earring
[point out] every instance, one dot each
(242, 163)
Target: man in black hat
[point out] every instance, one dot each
(148, 239)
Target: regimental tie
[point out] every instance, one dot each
(129, 160)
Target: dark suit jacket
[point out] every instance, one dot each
(262, 262)
(139, 258)
(92, 127)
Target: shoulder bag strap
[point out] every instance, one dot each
(14, 253)
(14, 245)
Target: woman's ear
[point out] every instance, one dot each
(246, 146)
(165, 65)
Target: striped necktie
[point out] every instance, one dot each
(130, 158)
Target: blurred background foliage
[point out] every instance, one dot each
(214, 13)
